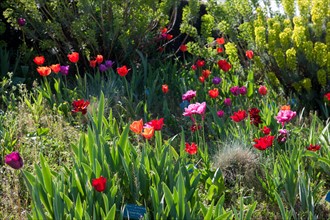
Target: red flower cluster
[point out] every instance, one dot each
(191, 148)
(254, 116)
(99, 184)
(239, 116)
(314, 148)
(80, 106)
(264, 142)
(224, 65)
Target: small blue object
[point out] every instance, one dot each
(327, 197)
(132, 211)
(184, 104)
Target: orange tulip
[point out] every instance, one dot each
(56, 68)
(286, 107)
(136, 126)
(44, 70)
(99, 59)
(148, 132)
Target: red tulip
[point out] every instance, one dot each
(122, 71)
(99, 184)
(39, 60)
(99, 59)
(165, 88)
(239, 116)
(73, 57)
(191, 148)
(249, 54)
(55, 68)
(44, 70)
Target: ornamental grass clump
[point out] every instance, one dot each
(237, 163)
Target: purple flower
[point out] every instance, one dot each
(284, 116)
(109, 63)
(14, 160)
(227, 102)
(235, 90)
(243, 90)
(21, 21)
(220, 113)
(65, 70)
(189, 95)
(216, 80)
(282, 136)
(103, 68)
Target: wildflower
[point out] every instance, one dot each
(103, 68)
(189, 95)
(243, 90)
(165, 88)
(191, 148)
(195, 127)
(14, 160)
(284, 116)
(21, 22)
(206, 73)
(235, 90)
(264, 142)
(73, 57)
(201, 79)
(255, 118)
(197, 108)
(55, 68)
(157, 124)
(266, 130)
(65, 70)
(44, 70)
(200, 63)
(220, 40)
(169, 37)
(282, 136)
(249, 54)
(122, 71)
(99, 184)
(314, 148)
(99, 59)
(92, 63)
(136, 126)
(262, 90)
(239, 116)
(327, 96)
(219, 50)
(220, 113)
(80, 106)
(285, 107)
(148, 132)
(39, 60)
(183, 48)
(216, 80)
(227, 102)
(224, 65)
(214, 93)
(109, 63)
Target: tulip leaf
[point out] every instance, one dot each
(47, 176)
(112, 213)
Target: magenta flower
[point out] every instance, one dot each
(227, 102)
(197, 108)
(189, 95)
(21, 21)
(235, 90)
(65, 70)
(243, 90)
(14, 160)
(284, 116)
(282, 136)
(220, 113)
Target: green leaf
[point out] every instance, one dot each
(112, 214)
(78, 208)
(100, 113)
(280, 204)
(251, 209)
(208, 215)
(47, 176)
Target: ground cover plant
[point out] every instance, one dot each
(195, 111)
